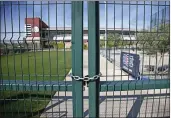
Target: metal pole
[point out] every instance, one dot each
(105, 27)
(93, 57)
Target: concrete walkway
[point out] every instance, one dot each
(112, 104)
(110, 71)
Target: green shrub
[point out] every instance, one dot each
(16, 50)
(85, 47)
(102, 43)
(4, 51)
(59, 45)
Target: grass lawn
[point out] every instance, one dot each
(19, 67)
(32, 66)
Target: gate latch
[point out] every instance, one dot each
(86, 79)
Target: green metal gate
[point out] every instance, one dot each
(36, 80)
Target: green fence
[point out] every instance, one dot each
(57, 77)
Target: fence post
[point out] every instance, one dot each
(93, 57)
(77, 57)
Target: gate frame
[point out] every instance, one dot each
(77, 68)
(94, 57)
(77, 57)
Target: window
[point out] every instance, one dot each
(28, 34)
(28, 29)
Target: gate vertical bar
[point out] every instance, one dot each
(93, 58)
(77, 57)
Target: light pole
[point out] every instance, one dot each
(105, 26)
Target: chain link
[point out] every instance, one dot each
(86, 79)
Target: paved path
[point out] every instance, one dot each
(110, 71)
(112, 104)
(145, 60)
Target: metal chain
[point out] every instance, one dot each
(77, 78)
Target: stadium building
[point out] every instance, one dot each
(38, 32)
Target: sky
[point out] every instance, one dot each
(54, 14)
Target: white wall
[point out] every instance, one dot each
(69, 37)
(127, 37)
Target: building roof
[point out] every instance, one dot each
(32, 20)
(85, 28)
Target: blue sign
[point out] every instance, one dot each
(130, 63)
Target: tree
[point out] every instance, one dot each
(102, 43)
(157, 41)
(113, 40)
